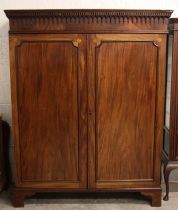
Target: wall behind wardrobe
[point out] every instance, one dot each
(5, 98)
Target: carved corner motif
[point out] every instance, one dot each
(97, 42)
(19, 43)
(76, 42)
(156, 43)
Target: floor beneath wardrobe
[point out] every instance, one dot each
(119, 201)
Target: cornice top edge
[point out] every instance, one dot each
(87, 13)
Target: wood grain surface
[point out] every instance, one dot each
(87, 100)
(51, 109)
(126, 110)
(125, 94)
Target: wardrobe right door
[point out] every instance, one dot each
(126, 103)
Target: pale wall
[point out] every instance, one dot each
(5, 101)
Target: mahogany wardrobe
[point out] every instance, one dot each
(88, 100)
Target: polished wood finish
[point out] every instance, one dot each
(155, 197)
(18, 196)
(170, 155)
(52, 97)
(118, 96)
(88, 102)
(88, 21)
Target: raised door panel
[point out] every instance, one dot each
(126, 110)
(50, 110)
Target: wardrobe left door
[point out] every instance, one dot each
(49, 103)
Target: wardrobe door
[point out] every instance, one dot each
(126, 98)
(49, 98)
